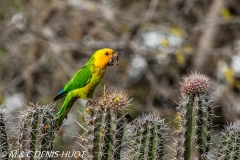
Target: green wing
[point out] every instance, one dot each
(79, 80)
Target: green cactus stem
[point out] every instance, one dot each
(33, 119)
(195, 112)
(190, 128)
(104, 126)
(47, 129)
(118, 134)
(3, 136)
(104, 133)
(204, 125)
(147, 138)
(44, 131)
(91, 137)
(37, 130)
(229, 146)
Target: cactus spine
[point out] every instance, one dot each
(36, 130)
(195, 112)
(147, 137)
(118, 134)
(108, 136)
(3, 136)
(229, 146)
(104, 126)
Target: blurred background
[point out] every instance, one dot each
(43, 43)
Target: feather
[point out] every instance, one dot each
(60, 95)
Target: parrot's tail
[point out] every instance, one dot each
(68, 103)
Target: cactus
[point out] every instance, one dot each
(195, 112)
(147, 136)
(37, 130)
(3, 136)
(104, 126)
(229, 146)
(109, 132)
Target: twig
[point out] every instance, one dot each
(26, 73)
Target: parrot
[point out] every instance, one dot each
(85, 80)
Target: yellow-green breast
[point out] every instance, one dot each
(88, 89)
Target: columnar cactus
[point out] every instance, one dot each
(229, 146)
(195, 112)
(37, 130)
(109, 134)
(104, 126)
(147, 136)
(3, 136)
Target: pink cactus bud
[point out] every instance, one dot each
(195, 83)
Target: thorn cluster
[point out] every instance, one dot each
(104, 125)
(37, 128)
(147, 138)
(3, 135)
(228, 148)
(113, 99)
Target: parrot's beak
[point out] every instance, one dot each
(114, 59)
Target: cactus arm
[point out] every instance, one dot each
(160, 140)
(104, 126)
(237, 155)
(33, 133)
(228, 148)
(47, 132)
(43, 131)
(202, 137)
(196, 118)
(182, 130)
(104, 135)
(3, 138)
(97, 117)
(52, 129)
(37, 130)
(91, 137)
(142, 139)
(149, 149)
(190, 124)
(148, 138)
(118, 135)
(209, 127)
(22, 131)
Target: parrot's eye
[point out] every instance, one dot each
(106, 53)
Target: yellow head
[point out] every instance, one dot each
(104, 57)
